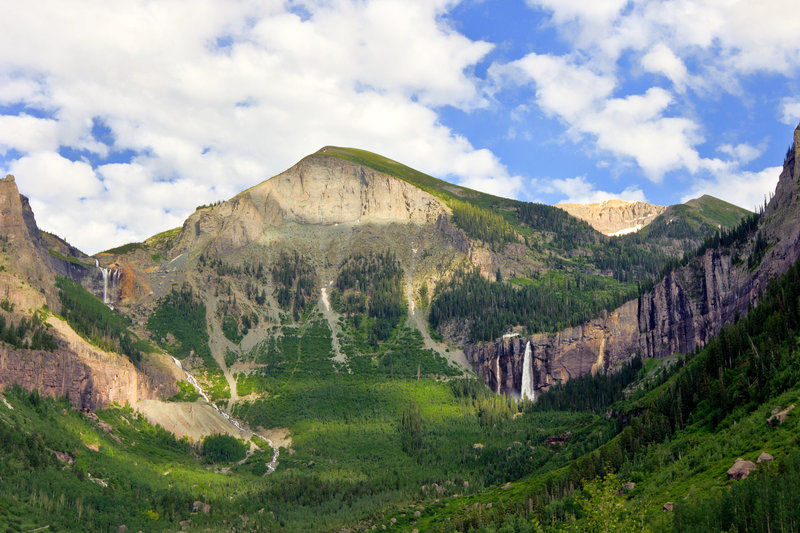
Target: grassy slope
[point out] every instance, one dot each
(714, 210)
(683, 432)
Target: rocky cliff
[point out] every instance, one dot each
(88, 376)
(319, 190)
(682, 312)
(615, 217)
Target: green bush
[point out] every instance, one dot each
(223, 449)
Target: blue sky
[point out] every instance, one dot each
(118, 119)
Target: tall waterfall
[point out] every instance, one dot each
(497, 374)
(105, 285)
(527, 375)
(111, 278)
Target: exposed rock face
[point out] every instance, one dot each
(319, 190)
(594, 346)
(26, 247)
(615, 217)
(741, 469)
(682, 312)
(89, 377)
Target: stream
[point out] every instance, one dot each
(273, 464)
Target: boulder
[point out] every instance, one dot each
(741, 469)
(779, 417)
(764, 458)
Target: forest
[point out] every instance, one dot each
(182, 315)
(369, 292)
(555, 301)
(98, 324)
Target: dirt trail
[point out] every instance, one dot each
(418, 321)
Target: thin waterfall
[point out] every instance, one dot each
(273, 464)
(105, 285)
(497, 374)
(111, 277)
(527, 375)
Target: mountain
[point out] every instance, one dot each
(615, 217)
(681, 313)
(40, 350)
(332, 316)
(334, 229)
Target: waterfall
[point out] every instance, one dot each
(527, 375)
(111, 277)
(497, 374)
(105, 285)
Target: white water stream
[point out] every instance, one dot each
(527, 375)
(111, 275)
(497, 374)
(273, 464)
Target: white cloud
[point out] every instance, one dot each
(579, 190)
(740, 35)
(52, 178)
(742, 153)
(634, 127)
(26, 133)
(790, 111)
(562, 88)
(215, 96)
(742, 188)
(662, 60)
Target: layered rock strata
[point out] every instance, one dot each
(615, 217)
(319, 190)
(682, 312)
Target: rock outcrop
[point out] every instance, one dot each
(764, 457)
(23, 244)
(682, 312)
(319, 190)
(89, 377)
(741, 469)
(615, 217)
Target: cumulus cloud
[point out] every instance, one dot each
(203, 99)
(700, 46)
(742, 36)
(636, 127)
(743, 188)
(662, 60)
(579, 190)
(742, 153)
(790, 111)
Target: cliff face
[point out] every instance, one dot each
(682, 312)
(319, 190)
(89, 383)
(24, 246)
(615, 217)
(89, 377)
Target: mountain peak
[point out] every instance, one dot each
(615, 217)
(318, 191)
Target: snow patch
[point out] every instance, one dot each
(626, 231)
